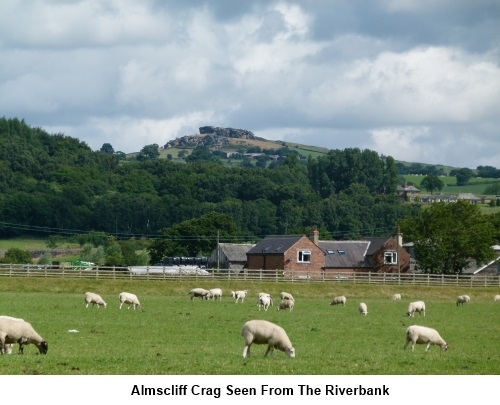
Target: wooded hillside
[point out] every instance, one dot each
(55, 184)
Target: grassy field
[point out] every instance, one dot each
(171, 335)
(32, 243)
(475, 185)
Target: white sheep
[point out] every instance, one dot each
(200, 293)
(286, 296)
(496, 297)
(422, 334)
(6, 349)
(239, 295)
(417, 306)
(264, 332)
(214, 293)
(339, 300)
(16, 330)
(463, 299)
(264, 301)
(363, 309)
(94, 299)
(130, 299)
(284, 304)
(396, 297)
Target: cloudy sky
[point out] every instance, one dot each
(418, 80)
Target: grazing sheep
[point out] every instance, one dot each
(265, 301)
(214, 293)
(286, 296)
(284, 304)
(94, 299)
(7, 348)
(130, 299)
(496, 298)
(396, 297)
(417, 306)
(16, 330)
(363, 309)
(463, 299)
(422, 334)
(264, 332)
(239, 295)
(339, 300)
(200, 293)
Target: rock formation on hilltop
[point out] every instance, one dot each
(227, 132)
(211, 136)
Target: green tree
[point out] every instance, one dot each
(114, 255)
(447, 237)
(107, 148)
(431, 183)
(46, 258)
(149, 152)
(16, 255)
(194, 237)
(463, 176)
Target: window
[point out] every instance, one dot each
(342, 252)
(390, 258)
(304, 256)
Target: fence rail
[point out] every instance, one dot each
(180, 273)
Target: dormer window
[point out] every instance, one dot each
(390, 258)
(304, 256)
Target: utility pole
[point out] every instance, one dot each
(218, 252)
(399, 261)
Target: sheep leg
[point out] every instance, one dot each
(246, 351)
(269, 351)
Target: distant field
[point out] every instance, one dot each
(172, 335)
(32, 243)
(23, 243)
(475, 186)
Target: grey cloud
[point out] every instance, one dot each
(344, 73)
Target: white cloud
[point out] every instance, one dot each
(166, 68)
(423, 85)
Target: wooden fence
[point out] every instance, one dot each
(184, 274)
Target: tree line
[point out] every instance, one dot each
(56, 184)
(53, 185)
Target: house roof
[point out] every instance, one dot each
(275, 244)
(236, 252)
(375, 245)
(467, 196)
(408, 188)
(346, 254)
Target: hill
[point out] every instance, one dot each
(231, 140)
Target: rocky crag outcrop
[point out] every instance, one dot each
(210, 136)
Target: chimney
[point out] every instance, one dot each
(399, 238)
(315, 237)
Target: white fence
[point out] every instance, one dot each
(185, 273)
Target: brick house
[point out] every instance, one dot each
(292, 256)
(376, 255)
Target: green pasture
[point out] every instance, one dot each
(171, 335)
(475, 185)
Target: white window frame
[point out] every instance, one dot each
(304, 256)
(391, 257)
